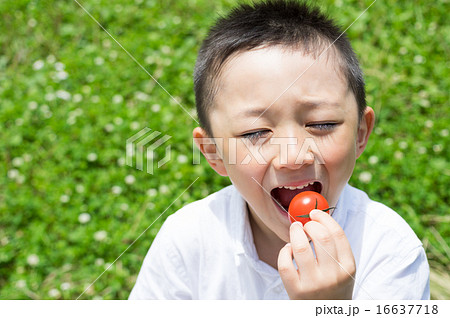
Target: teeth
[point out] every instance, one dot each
(294, 188)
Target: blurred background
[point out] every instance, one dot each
(70, 97)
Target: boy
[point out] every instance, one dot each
(271, 78)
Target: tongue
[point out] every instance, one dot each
(285, 196)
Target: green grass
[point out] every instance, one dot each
(70, 97)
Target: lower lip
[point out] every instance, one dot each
(280, 210)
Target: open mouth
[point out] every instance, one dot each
(284, 194)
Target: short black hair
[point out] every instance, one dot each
(287, 23)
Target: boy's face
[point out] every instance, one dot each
(309, 135)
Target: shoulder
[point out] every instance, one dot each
(208, 216)
(378, 221)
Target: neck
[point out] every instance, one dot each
(267, 243)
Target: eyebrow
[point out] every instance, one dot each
(256, 112)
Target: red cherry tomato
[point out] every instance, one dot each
(305, 202)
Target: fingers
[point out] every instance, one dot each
(287, 271)
(336, 234)
(324, 246)
(301, 249)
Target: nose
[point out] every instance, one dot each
(293, 152)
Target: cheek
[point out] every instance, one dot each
(340, 155)
(243, 164)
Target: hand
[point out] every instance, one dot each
(331, 275)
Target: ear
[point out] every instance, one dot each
(209, 149)
(364, 130)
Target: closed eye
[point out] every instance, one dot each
(323, 126)
(255, 135)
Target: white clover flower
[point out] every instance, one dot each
(21, 283)
(19, 121)
(121, 162)
(378, 130)
(437, 148)
(20, 179)
(27, 157)
(90, 78)
(149, 59)
(32, 105)
(38, 65)
(4, 241)
(421, 150)
(106, 43)
(99, 261)
(117, 99)
(13, 173)
(77, 98)
(44, 108)
(373, 160)
(150, 205)
(389, 141)
(164, 189)
(49, 97)
(118, 121)
(130, 179)
(182, 158)
(79, 188)
(64, 198)
(113, 55)
(124, 207)
(78, 112)
(152, 192)
(365, 177)
(116, 190)
(84, 218)
(178, 175)
(51, 59)
(165, 49)
(59, 66)
(32, 23)
(17, 162)
(47, 114)
(429, 123)
(109, 127)
(398, 155)
(33, 260)
(92, 157)
(86, 89)
(444, 132)
(61, 75)
(156, 108)
(71, 120)
(62, 94)
(176, 20)
(142, 96)
(95, 99)
(425, 103)
(100, 235)
(403, 50)
(65, 286)
(99, 60)
(419, 59)
(54, 293)
(134, 125)
(403, 144)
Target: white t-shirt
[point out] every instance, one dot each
(206, 251)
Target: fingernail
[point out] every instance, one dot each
(299, 223)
